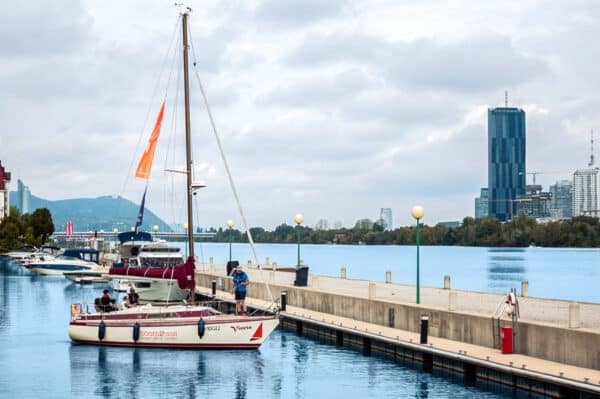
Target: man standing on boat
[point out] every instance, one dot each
(240, 282)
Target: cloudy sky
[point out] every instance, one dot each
(329, 108)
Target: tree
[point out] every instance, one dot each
(41, 222)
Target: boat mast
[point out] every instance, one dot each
(188, 145)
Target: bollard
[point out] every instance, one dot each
(446, 282)
(388, 277)
(372, 287)
(424, 328)
(214, 287)
(274, 266)
(574, 315)
(452, 300)
(284, 295)
(524, 288)
(343, 272)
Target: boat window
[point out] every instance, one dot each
(161, 262)
(142, 285)
(162, 315)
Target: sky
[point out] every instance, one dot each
(331, 109)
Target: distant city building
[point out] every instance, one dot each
(561, 205)
(586, 190)
(385, 217)
(451, 225)
(4, 192)
(322, 224)
(506, 161)
(23, 197)
(535, 203)
(481, 204)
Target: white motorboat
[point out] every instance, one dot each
(153, 268)
(76, 259)
(174, 326)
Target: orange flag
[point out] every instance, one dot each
(143, 168)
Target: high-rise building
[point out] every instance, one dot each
(561, 205)
(535, 203)
(322, 224)
(24, 197)
(586, 192)
(506, 161)
(481, 204)
(4, 192)
(385, 217)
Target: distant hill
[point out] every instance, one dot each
(102, 213)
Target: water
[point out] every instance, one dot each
(563, 273)
(37, 360)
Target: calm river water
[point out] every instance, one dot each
(564, 273)
(37, 359)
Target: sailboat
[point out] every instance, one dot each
(174, 326)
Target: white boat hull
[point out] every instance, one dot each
(152, 289)
(57, 270)
(220, 332)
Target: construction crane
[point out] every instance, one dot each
(534, 174)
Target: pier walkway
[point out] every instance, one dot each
(551, 312)
(460, 350)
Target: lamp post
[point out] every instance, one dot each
(116, 231)
(185, 227)
(298, 219)
(155, 230)
(418, 212)
(230, 227)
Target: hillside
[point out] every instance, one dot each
(102, 213)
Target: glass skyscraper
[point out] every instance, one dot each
(506, 161)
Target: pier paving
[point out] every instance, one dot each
(492, 356)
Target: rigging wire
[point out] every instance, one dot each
(150, 105)
(229, 176)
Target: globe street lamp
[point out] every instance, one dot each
(229, 227)
(418, 212)
(116, 231)
(298, 219)
(155, 230)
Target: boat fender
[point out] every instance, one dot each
(74, 310)
(136, 332)
(201, 327)
(101, 330)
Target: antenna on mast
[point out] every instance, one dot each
(591, 148)
(506, 98)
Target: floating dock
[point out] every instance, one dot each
(377, 317)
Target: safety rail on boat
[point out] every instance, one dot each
(89, 308)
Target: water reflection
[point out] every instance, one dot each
(506, 268)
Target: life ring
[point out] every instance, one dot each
(74, 310)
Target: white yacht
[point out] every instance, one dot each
(74, 259)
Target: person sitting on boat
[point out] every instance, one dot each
(240, 282)
(126, 302)
(134, 298)
(108, 304)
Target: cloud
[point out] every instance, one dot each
(297, 12)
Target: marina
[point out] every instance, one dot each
(286, 365)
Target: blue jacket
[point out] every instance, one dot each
(238, 279)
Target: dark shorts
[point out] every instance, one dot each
(240, 295)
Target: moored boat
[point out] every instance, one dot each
(170, 327)
(174, 326)
(76, 259)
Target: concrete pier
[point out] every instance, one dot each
(459, 321)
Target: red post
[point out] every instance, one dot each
(506, 337)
